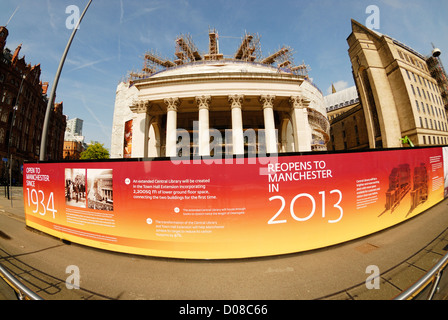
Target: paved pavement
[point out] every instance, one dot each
(402, 254)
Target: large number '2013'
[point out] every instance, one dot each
(37, 198)
(311, 214)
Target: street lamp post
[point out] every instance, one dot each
(43, 142)
(11, 127)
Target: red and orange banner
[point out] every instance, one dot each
(232, 209)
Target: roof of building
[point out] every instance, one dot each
(341, 98)
(396, 42)
(222, 66)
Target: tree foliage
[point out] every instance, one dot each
(95, 151)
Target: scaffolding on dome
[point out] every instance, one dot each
(249, 50)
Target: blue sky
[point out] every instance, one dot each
(115, 34)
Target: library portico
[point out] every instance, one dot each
(285, 111)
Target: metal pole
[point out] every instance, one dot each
(21, 290)
(11, 128)
(43, 142)
(10, 178)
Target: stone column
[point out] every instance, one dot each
(301, 126)
(237, 123)
(171, 126)
(204, 129)
(269, 123)
(139, 129)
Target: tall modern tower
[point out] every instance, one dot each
(74, 126)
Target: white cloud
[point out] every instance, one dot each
(339, 85)
(84, 64)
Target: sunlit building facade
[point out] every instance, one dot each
(399, 96)
(236, 105)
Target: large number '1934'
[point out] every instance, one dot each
(292, 209)
(36, 198)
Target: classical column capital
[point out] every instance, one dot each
(297, 102)
(267, 100)
(140, 106)
(203, 102)
(172, 103)
(236, 100)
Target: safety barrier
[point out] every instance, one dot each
(22, 291)
(218, 208)
(428, 286)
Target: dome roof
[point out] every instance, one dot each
(221, 66)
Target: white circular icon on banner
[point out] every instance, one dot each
(149, 221)
(176, 210)
(127, 181)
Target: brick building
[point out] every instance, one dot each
(23, 103)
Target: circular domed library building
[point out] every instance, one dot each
(204, 104)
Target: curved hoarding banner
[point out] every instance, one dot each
(233, 208)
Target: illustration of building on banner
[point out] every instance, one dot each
(399, 186)
(75, 187)
(420, 190)
(100, 189)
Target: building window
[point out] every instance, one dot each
(413, 90)
(424, 140)
(421, 122)
(418, 108)
(407, 72)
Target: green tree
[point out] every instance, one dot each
(95, 151)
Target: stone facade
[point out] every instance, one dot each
(347, 121)
(216, 104)
(399, 97)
